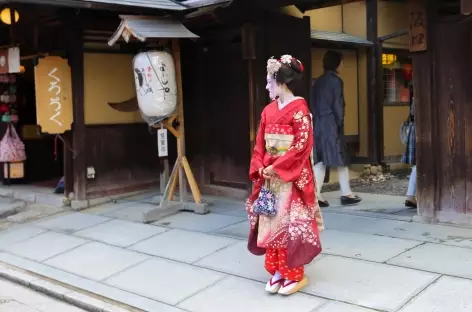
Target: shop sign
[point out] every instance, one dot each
(162, 147)
(9, 60)
(53, 86)
(418, 30)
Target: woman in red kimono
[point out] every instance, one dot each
(282, 162)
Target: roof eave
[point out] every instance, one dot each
(93, 5)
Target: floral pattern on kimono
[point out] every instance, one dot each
(285, 141)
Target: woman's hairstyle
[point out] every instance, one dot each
(332, 60)
(288, 70)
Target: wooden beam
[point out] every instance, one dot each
(304, 6)
(374, 103)
(466, 7)
(248, 34)
(76, 61)
(68, 164)
(12, 25)
(426, 123)
(184, 171)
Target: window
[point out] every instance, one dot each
(397, 74)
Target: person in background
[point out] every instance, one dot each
(327, 105)
(409, 157)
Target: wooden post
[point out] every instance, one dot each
(12, 25)
(76, 61)
(68, 165)
(182, 171)
(180, 118)
(426, 122)
(466, 7)
(249, 55)
(375, 109)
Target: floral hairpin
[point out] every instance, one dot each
(273, 65)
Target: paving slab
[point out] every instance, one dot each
(71, 222)
(235, 294)
(96, 261)
(120, 233)
(14, 306)
(238, 230)
(165, 280)
(107, 208)
(448, 294)
(9, 207)
(449, 260)
(143, 195)
(334, 306)
(228, 207)
(100, 289)
(28, 300)
(434, 233)
(200, 223)
(134, 212)
(45, 246)
(378, 203)
(17, 234)
(363, 246)
(183, 245)
(367, 284)
(237, 260)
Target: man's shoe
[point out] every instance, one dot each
(410, 204)
(323, 203)
(350, 201)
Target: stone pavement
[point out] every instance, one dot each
(17, 298)
(199, 263)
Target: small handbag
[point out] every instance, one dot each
(405, 132)
(12, 149)
(265, 204)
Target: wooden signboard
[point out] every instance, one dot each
(466, 7)
(418, 26)
(53, 86)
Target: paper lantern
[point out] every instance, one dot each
(407, 70)
(5, 16)
(156, 87)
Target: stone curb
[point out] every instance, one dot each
(71, 296)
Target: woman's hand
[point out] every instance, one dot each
(268, 172)
(260, 172)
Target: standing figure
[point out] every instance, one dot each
(409, 157)
(327, 105)
(281, 165)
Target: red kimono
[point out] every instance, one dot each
(285, 141)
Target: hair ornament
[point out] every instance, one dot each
(273, 65)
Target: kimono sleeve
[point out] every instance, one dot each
(289, 166)
(257, 160)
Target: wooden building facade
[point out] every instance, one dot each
(223, 84)
(443, 97)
